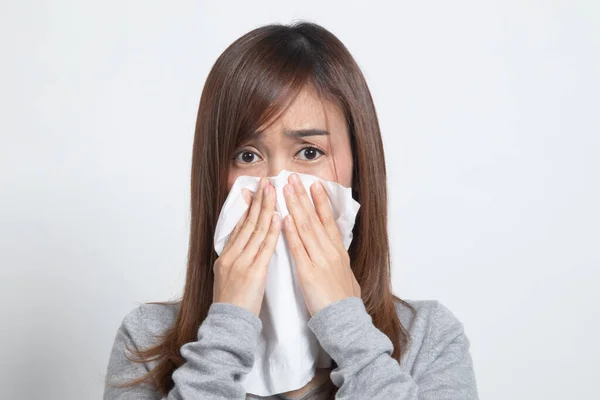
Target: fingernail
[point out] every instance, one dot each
(318, 187)
(294, 178)
(247, 196)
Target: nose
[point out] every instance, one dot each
(275, 168)
(275, 164)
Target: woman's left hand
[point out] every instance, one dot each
(322, 262)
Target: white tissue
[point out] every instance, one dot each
(288, 352)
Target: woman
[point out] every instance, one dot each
(290, 97)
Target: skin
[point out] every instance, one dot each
(322, 262)
(274, 151)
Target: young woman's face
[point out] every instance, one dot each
(298, 142)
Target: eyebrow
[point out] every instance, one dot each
(296, 133)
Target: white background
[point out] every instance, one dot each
(490, 114)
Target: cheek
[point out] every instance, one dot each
(346, 178)
(233, 175)
(344, 167)
(323, 171)
(345, 175)
(339, 171)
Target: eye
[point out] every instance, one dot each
(246, 157)
(310, 153)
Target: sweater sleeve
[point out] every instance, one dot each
(215, 363)
(366, 370)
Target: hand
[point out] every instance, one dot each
(322, 262)
(241, 270)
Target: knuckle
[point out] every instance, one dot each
(262, 247)
(273, 232)
(250, 223)
(220, 264)
(237, 265)
(304, 226)
(259, 229)
(266, 205)
(313, 220)
(296, 247)
(328, 221)
(255, 235)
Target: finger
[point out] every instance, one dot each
(308, 207)
(250, 222)
(248, 198)
(295, 244)
(235, 231)
(323, 209)
(262, 226)
(267, 248)
(303, 225)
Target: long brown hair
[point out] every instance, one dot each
(250, 84)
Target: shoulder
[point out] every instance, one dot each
(147, 321)
(430, 314)
(140, 329)
(432, 326)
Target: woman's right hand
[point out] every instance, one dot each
(241, 270)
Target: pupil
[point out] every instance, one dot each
(247, 156)
(312, 151)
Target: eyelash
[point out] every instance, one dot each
(302, 149)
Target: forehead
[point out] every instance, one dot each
(309, 111)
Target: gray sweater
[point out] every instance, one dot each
(437, 364)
